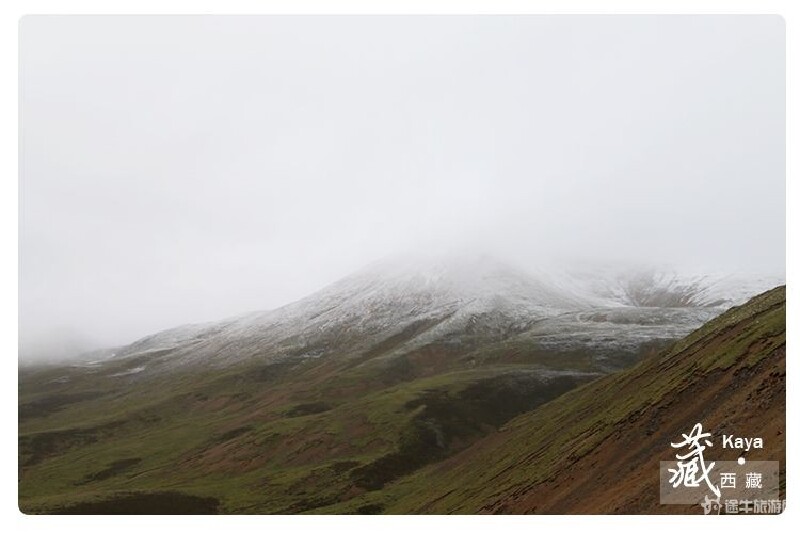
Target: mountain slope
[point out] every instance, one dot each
(286, 411)
(607, 286)
(597, 449)
(325, 402)
(458, 303)
(370, 306)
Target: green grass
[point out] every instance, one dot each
(349, 434)
(257, 439)
(539, 443)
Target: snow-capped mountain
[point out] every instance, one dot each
(474, 301)
(364, 308)
(658, 287)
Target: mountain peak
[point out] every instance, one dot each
(448, 278)
(433, 298)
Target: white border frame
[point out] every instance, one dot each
(13, 10)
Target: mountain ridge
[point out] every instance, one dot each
(596, 449)
(388, 296)
(307, 417)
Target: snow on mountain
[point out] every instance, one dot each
(427, 299)
(364, 308)
(608, 286)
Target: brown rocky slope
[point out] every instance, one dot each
(597, 449)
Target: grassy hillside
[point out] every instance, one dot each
(431, 431)
(288, 437)
(596, 449)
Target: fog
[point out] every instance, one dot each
(185, 169)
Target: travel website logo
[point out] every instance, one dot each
(720, 487)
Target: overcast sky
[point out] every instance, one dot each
(185, 169)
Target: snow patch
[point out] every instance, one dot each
(128, 372)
